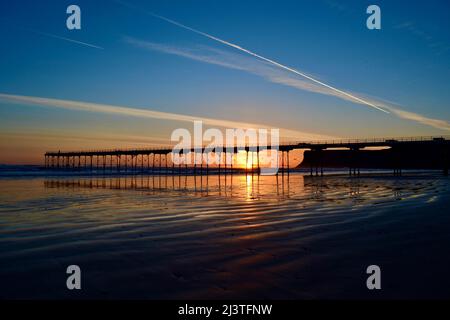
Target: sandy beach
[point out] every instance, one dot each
(178, 237)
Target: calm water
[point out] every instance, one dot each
(224, 237)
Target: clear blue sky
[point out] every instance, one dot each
(406, 62)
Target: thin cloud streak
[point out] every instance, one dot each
(10, 24)
(233, 61)
(436, 123)
(238, 62)
(145, 113)
(66, 39)
(412, 116)
(106, 138)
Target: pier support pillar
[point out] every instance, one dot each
(153, 162)
(288, 167)
(246, 161)
(257, 159)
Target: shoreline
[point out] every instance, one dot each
(39, 171)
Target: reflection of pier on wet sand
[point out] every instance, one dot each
(250, 187)
(221, 185)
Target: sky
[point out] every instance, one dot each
(128, 78)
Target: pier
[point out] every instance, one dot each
(398, 153)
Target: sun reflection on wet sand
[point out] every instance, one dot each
(228, 236)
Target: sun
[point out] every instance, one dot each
(243, 161)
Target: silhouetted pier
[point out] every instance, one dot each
(394, 153)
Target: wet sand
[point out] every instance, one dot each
(177, 237)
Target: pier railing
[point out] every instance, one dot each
(168, 148)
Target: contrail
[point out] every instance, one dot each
(282, 66)
(272, 74)
(268, 60)
(66, 39)
(29, 29)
